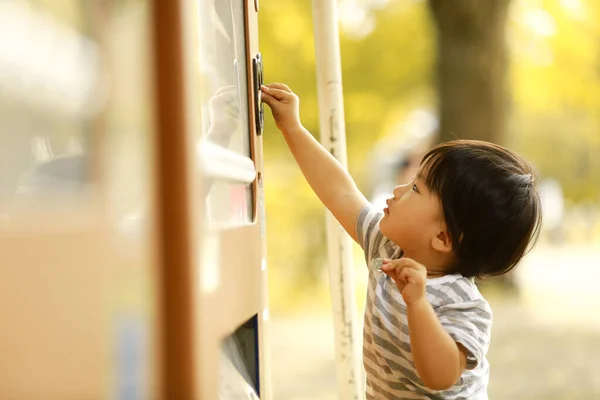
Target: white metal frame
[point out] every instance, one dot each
(333, 136)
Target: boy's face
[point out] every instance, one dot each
(413, 217)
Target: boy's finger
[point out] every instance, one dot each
(405, 274)
(405, 263)
(392, 274)
(280, 86)
(410, 276)
(267, 99)
(276, 93)
(397, 278)
(389, 265)
(400, 285)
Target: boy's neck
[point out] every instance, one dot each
(437, 265)
(436, 274)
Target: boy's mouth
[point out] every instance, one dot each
(386, 209)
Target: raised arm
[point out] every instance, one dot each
(325, 175)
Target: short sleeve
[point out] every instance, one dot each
(470, 324)
(369, 236)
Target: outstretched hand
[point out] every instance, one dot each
(284, 105)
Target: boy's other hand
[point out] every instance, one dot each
(284, 105)
(410, 277)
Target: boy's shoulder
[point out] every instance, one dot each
(370, 238)
(456, 291)
(368, 216)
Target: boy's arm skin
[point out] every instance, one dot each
(325, 175)
(439, 360)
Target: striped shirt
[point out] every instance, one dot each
(387, 357)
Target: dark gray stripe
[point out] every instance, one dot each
(468, 378)
(440, 295)
(403, 384)
(368, 355)
(379, 390)
(398, 307)
(409, 374)
(469, 328)
(456, 288)
(362, 215)
(481, 313)
(482, 325)
(480, 308)
(463, 332)
(386, 345)
(421, 391)
(388, 316)
(368, 245)
(369, 305)
(468, 285)
(404, 346)
(367, 216)
(470, 342)
(376, 249)
(390, 248)
(474, 351)
(372, 283)
(406, 384)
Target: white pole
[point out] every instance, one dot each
(348, 343)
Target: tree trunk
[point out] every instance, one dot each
(471, 67)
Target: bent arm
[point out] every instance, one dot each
(439, 360)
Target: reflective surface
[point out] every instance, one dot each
(224, 103)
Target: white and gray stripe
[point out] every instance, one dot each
(387, 358)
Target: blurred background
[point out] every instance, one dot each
(77, 174)
(522, 73)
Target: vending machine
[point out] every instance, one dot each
(132, 223)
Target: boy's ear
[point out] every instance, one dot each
(442, 241)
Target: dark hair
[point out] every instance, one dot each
(490, 204)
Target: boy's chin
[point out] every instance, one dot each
(383, 228)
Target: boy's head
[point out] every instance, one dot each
(473, 208)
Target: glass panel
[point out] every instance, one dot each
(222, 34)
(224, 102)
(229, 204)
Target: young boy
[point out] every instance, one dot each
(471, 211)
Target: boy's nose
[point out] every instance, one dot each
(399, 191)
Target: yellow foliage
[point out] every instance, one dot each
(553, 118)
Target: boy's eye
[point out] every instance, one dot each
(415, 188)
